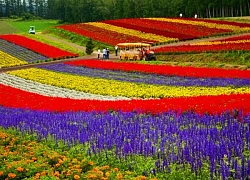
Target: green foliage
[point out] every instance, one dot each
(89, 46)
(40, 25)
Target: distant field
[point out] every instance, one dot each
(6, 28)
(40, 25)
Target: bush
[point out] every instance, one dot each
(89, 46)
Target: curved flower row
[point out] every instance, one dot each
(169, 29)
(222, 42)
(41, 48)
(48, 90)
(7, 60)
(236, 38)
(233, 28)
(149, 36)
(16, 98)
(145, 27)
(163, 69)
(117, 88)
(216, 47)
(149, 78)
(20, 52)
(100, 34)
(222, 22)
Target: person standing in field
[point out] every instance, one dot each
(98, 53)
(104, 53)
(116, 50)
(107, 52)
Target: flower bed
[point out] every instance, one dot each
(208, 145)
(205, 47)
(116, 88)
(163, 69)
(20, 52)
(7, 60)
(43, 49)
(157, 121)
(181, 31)
(100, 34)
(227, 26)
(139, 77)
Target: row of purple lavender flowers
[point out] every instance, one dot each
(146, 78)
(170, 138)
(20, 52)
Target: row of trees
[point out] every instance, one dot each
(93, 10)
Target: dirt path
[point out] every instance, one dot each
(63, 41)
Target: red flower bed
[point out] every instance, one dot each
(16, 98)
(144, 26)
(102, 35)
(187, 29)
(204, 48)
(163, 69)
(236, 38)
(38, 47)
(217, 22)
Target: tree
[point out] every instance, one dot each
(89, 46)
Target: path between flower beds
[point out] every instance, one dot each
(112, 56)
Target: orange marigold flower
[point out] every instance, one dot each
(57, 174)
(76, 176)
(57, 165)
(20, 169)
(11, 175)
(1, 173)
(34, 158)
(105, 167)
(92, 176)
(141, 178)
(91, 163)
(116, 169)
(43, 173)
(119, 176)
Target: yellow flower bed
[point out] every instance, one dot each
(206, 24)
(7, 60)
(221, 42)
(117, 88)
(132, 32)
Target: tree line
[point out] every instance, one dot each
(75, 11)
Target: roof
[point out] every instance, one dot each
(133, 45)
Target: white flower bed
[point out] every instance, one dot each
(52, 91)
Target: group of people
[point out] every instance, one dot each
(105, 53)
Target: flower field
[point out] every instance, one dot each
(155, 30)
(240, 43)
(108, 120)
(148, 121)
(24, 50)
